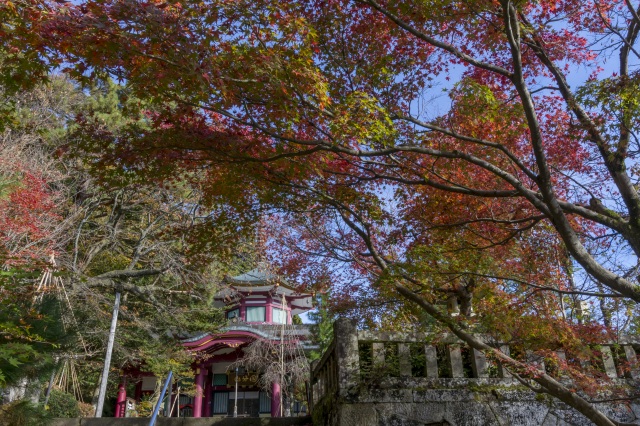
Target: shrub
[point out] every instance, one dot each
(62, 404)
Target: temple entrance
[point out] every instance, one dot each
(220, 403)
(250, 403)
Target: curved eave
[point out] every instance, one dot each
(230, 331)
(233, 337)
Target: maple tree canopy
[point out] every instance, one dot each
(505, 190)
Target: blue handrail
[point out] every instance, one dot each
(157, 409)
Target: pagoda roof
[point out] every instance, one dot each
(256, 276)
(261, 283)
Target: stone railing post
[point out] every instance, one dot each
(562, 357)
(607, 362)
(479, 363)
(378, 353)
(536, 360)
(432, 361)
(454, 356)
(502, 371)
(345, 336)
(630, 354)
(404, 359)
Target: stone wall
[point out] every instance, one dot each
(346, 392)
(463, 406)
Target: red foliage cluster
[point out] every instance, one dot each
(27, 215)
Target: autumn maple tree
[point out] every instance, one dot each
(416, 149)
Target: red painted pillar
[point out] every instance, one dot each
(121, 400)
(243, 311)
(269, 310)
(275, 399)
(197, 400)
(207, 395)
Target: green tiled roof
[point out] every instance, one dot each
(255, 276)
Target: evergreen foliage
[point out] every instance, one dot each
(322, 325)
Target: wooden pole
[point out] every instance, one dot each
(107, 360)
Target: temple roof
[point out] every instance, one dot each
(266, 331)
(255, 276)
(260, 283)
(239, 335)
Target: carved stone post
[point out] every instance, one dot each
(630, 354)
(607, 361)
(378, 353)
(503, 372)
(455, 361)
(345, 335)
(432, 361)
(562, 357)
(479, 363)
(404, 359)
(537, 360)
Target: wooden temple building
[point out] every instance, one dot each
(253, 303)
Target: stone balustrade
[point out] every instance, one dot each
(382, 368)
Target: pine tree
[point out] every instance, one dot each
(322, 328)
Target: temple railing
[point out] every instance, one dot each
(359, 358)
